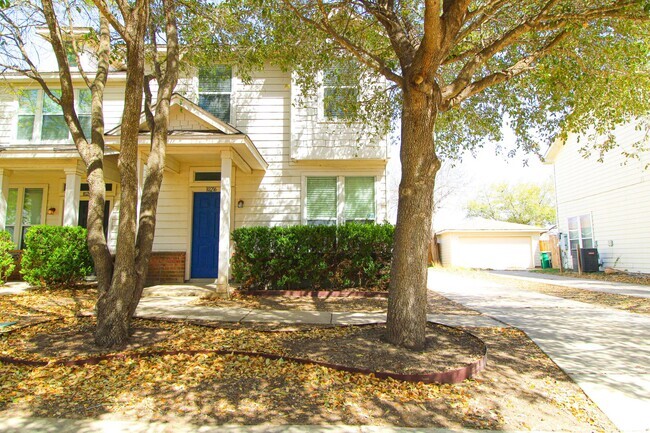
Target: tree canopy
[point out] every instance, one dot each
(523, 203)
(548, 67)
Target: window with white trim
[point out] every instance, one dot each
(24, 209)
(215, 90)
(581, 233)
(41, 119)
(340, 199)
(340, 94)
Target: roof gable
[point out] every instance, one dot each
(185, 115)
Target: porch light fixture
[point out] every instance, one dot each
(51, 211)
(240, 204)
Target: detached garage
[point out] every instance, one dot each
(489, 244)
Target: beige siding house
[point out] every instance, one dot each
(239, 154)
(605, 205)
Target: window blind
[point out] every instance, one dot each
(321, 200)
(359, 198)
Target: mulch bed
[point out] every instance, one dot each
(451, 355)
(364, 347)
(521, 389)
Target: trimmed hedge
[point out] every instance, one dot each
(318, 257)
(56, 256)
(7, 264)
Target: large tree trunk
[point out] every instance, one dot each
(407, 299)
(95, 167)
(156, 161)
(91, 149)
(113, 306)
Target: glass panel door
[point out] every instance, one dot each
(12, 202)
(32, 211)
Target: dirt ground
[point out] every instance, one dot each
(520, 389)
(621, 277)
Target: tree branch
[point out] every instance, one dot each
(399, 37)
(32, 72)
(518, 68)
(365, 57)
(106, 12)
(73, 43)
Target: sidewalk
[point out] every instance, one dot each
(605, 351)
(639, 291)
(177, 307)
(47, 425)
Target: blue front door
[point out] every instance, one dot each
(205, 235)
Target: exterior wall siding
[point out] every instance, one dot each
(316, 138)
(615, 192)
(263, 110)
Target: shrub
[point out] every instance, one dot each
(7, 264)
(352, 255)
(55, 256)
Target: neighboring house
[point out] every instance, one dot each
(605, 205)
(239, 154)
(489, 244)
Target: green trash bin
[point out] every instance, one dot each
(546, 260)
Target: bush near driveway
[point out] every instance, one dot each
(7, 264)
(284, 258)
(55, 256)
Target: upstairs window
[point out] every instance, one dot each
(340, 94)
(27, 109)
(338, 199)
(84, 102)
(54, 126)
(70, 55)
(215, 89)
(40, 118)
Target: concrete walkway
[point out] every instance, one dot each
(637, 290)
(605, 351)
(179, 307)
(51, 425)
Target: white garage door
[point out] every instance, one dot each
(493, 252)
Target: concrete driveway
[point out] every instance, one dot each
(605, 351)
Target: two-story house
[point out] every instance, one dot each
(239, 154)
(605, 204)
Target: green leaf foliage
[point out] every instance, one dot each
(330, 257)
(523, 203)
(596, 76)
(56, 256)
(7, 263)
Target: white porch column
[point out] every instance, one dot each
(4, 193)
(224, 219)
(72, 194)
